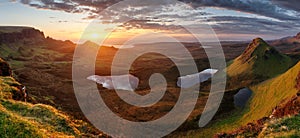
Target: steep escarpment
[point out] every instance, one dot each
(15, 34)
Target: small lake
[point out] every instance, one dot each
(242, 97)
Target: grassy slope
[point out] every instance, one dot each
(270, 93)
(265, 98)
(19, 119)
(14, 126)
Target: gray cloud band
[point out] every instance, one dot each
(97, 112)
(269, 8)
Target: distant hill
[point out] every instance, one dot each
(289, 44)
(288, 40)
(257, 63)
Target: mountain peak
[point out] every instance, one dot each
(257, 48)
(258, 63)
(257, 58)
(258, 40)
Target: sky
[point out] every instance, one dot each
(230, 19)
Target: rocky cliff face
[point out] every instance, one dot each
(25, 33)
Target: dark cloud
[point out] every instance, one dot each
(273, 8)
(66, 5)
(289, 4)
(260, 7)
(25, 1)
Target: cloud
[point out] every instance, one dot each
(267, 16)
(246, 25)
(259, 7)
(66, 5)
(148, 24)
(270, 8)
(289, 4)
(60, 21)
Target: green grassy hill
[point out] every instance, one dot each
(266, 96)
(257, 63)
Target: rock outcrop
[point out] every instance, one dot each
(5, 70)
(292, 107)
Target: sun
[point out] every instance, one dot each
(95, 36)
